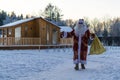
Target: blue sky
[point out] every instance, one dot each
(73, 9)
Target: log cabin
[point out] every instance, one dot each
(33, 31)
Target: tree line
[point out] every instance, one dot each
(109, 27)
(10, 17)
(103, 28)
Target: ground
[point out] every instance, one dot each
(57, 64)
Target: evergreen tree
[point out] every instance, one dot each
(52, 13)
(2, 17)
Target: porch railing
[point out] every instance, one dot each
(20, 41)
(29, 41)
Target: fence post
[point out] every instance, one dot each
(39, 48)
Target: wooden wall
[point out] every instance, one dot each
(37, 28)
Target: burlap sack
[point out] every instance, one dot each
(96, 47)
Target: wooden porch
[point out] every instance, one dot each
(31, 43)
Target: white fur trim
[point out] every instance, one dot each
(75, 61)
(79, 47)
(81, 61)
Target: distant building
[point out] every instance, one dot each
(66, 40)
(65, 28)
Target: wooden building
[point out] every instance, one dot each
(33, 31)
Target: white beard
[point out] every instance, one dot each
(80, 31)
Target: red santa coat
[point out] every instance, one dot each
(80, 46)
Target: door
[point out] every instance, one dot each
(5, 36)
(17, 35)
(54, 37)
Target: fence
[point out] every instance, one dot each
(110, 41)
(20, 41)
(31, 43)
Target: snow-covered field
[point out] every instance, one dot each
(57, 64)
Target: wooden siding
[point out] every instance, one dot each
(43, 31)
(36, 28)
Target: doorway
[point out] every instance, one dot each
(17, 35)
(55, 36)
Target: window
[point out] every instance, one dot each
(48, 34)
(5, 32)
(1, 35)
(26, 30)
(10, 31)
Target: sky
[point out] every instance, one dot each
(71, 9)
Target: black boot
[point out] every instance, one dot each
(76, 67)
(82, 66)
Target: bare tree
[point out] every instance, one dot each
(70, 22)
(115, 27)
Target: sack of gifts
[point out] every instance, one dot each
(96, 47)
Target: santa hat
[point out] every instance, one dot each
(81, 21)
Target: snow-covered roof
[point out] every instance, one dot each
(65, 28)
(22, 21)
(17, 22)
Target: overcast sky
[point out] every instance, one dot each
(73, 9)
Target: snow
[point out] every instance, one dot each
(65, 28)
(17, 22)
(22, 21)
(57, 64)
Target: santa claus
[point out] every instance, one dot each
(80, 35)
